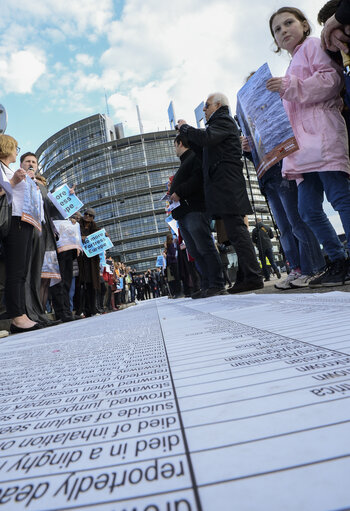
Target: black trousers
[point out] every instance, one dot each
(17, 249)
(60, 291)
(239, 236)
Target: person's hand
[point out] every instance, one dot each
(245, 145)
(180, 123)
(334, 36)
(17, 177)
(31, 173)
(72, 190)
(174, 197)
(274, 84)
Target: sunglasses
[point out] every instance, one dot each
(89, 214)
(18, 150)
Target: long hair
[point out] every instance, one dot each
(300, 16)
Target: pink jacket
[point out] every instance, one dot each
(311, 99)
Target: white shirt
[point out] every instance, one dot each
(17, 191)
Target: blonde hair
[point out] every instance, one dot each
(7, 145)
(40, 178)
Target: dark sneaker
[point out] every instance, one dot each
(216, 291)
(201, 293)
(278, 274)
(334, 275)
(347, 273)
(249, 285)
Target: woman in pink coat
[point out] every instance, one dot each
(311, 96)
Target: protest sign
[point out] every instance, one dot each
(70, 237)
(67, 203)
(32, 204)
(172, 224)
(264, 122)
(103, 263)
(161, 262)
(96, 243)
(50, 268)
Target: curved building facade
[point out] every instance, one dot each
(123, 179)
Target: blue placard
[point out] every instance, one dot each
(161, 262)
(66, 203)
(174, 226)
(96, 243)
(103, 259)
(32, 204)
(171, 115)
(199, 114)
(264, 122)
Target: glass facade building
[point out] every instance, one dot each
(123, 179)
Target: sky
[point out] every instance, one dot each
(63, 60)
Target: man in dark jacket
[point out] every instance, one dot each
(262, 235)
(187, 188)
(224, 185)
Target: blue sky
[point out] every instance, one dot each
(58, 58)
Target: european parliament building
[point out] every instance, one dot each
(123, 179)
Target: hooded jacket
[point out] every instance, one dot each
(311, 98)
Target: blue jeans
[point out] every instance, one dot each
(195, 230)
(300, 246)
(336, 186)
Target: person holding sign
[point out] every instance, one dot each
(18, 242)
(311, 96)
(225, 190)
(89, 269)
(300, 247)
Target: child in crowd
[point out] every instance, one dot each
(300, 247)
(311, 96)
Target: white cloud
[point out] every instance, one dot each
(84, 59)
(71, 17)
(157, 51)
(184, 50)
(20, 71)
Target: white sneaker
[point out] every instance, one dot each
(286, 283)
(302, 281)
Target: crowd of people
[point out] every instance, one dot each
(37, 273)
(43, 269)
(311, 93)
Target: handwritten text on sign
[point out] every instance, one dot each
(96, 243)
(67, 203)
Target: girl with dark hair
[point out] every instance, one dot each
(311, 96)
